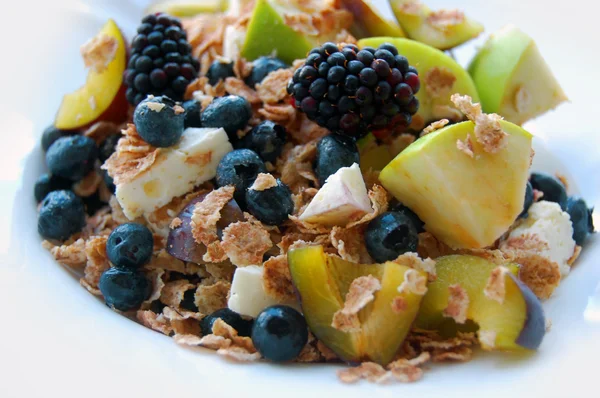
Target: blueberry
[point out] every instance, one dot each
(581, 217)
(219, 71)
(231, 113)
(334, 151)
(553, 189)
(528, 200)
(239, 168)
(271, 206)
(266, 139)
(157, 122)
(233, 319)
(418, 224)
(52, 134)
(279, 333)
(130, 246)
(62, 214)
(108, 180)
(108, 147)
(72, 157)
(261, 67)
(192, 113)
(47, 183)
(123, 289)
(390, 235)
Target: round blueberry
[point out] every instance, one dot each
(130, 246)
(232, 113)
(390, 235)
(279, 333)
(107, 148)
(334, 151)
(157, 122)
(61, 215)
(261, 67)
(239, 168)
(528, 200)
(72, 157)
(123, 289)
(271, 206)
(418, 224)
(52, 134)
(219, 71)
(266, 139)
(47, 183)
(192, 113)
(581, 218)
(553, 189)
(233, 319)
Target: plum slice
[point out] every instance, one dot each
(181, 243)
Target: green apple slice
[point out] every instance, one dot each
(513, 79)
(443, 29)
(368, 22)
(441, 76)
(188, 8)
(465, 201)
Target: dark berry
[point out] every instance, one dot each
(130, 246)
(336, 59)
(390, 235)
(334, 151)
(351, 84)
(417, 223)
(124, 290)
(47, 183)
(346, 104)
(364, 96)
(388, 47)
(142, 83)
(390, 109)
(279, 333)
(314, 59)
(551, 187)
(307, 75)
(365, 57)
(395, 77)
(271, 206)
(401, 63)
(318, 88)
(192, 113)
(231, 112)
(157, 122)
(330, 48)
(158, 78)
(309, 105)
(386, 56)
(266, 139)
(413, 106)
(381, 67)
(143, 64)
(326, 109)
(334, 93)
(349, 123)
(108, 180)
(300, 92)
(413, 81)
(349, 54)
(581, 218)
(52, 134)
(242, 326)
(72, 157)
(107, 148)
(219, 71)
(179, 85)
(61, 215)
(355, 67)
(261, 67)
(403, 94)
(528, 200)
(239, 168)
(323, 69)
(336, 74)
(382, 91)
(414, 70)
(368, 77)
(367, 113)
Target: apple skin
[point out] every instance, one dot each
(427, 59)
(413, 16)
(368, 22)
(508, 62)
(534, 329)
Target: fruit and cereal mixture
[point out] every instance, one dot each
(308, 181)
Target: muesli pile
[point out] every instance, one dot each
(308, 181)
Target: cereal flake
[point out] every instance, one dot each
(458, 304)
(414, 282)
(245, 243)
(207, 213)
(495, 289)
(434, 126)
(98, 52)
(263, 182)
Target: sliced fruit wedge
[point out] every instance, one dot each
(465, 201)
(368, 22)
(515, 323)
(323, 281)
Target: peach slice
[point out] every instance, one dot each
(102, 97)
(509, 315)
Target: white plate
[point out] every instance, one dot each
(58, 340)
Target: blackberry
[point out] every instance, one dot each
(160, 62)
(352, 91)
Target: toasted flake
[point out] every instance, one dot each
(459, 354)
(439, 82)
(175, 223)
(346, 323)
(446, 112)
(154, 321)
(399, 304)
(487, 339)
(214, 342)
(214, 253)
(172, 293)
(207, 213)
(88, 185)
(371, 371)
(350, 244)
(465, 146)
(379, 203)
(527, 242)
(434, 126)
(101, 130)
(97, 260)
(488, 131)
(72, 255)
(163, 260)
(279, 113)
(289, 165)
(413, 282)
(187, 339)
(239, 354)
(98, 52)
(405, 372)
(430, 246)
(303, 130)
(156, 277)
(539, 273)
(236, 86)
(210, 298)
(360, 293)
(495, 289)
(458, 304)
(245, 243)
(326, 352)
(575, 255)
(413, 260)
(273, 88)
(277, 279)
(263, 181)
(221, 271)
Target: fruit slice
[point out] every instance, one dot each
(441, 76)
(187, 8)
(443, 29)
(284, 28)
(513, 79)
(373, 156)
(103, 95)
(323, 282)
(467, 202)
(515, 323)
(341, 200)
(368, 22)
